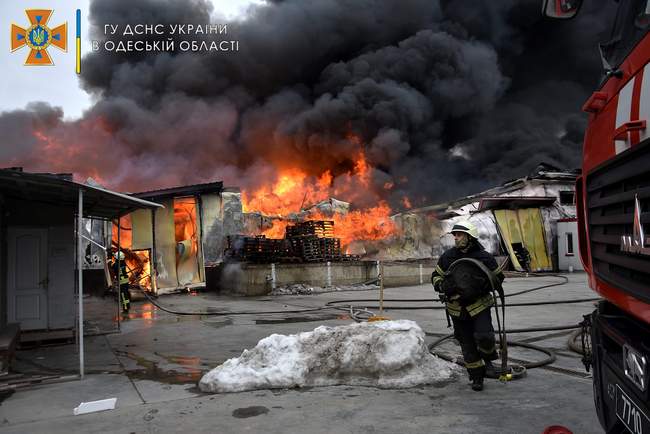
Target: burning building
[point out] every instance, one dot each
(404, 108)
(169, 248)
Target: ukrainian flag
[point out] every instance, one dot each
(78, 67)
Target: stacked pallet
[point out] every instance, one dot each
(313, 249)
(255, 249)
(311, 228)
(309, 241)
(314, 241)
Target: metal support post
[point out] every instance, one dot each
(80, 294)
(117, 275)
(381, 287)
(329, 273)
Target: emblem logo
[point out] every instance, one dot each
(38, 37)
(636, 243)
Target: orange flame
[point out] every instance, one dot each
(125, 232)
(294, 190)
(278, 230)
(139, 268)
(368, 224)
(56, 154)
(185, 225)
(362, 169)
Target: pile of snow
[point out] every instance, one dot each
(386, 354)
(304, 289)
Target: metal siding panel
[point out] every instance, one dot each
(166, 246)
(532, 230)
(142, 229)
(507, 222)
(212, 228)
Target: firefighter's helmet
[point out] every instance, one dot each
(119, 255)
(466, 227)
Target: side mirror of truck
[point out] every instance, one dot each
(561, 9)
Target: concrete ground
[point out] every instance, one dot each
(153, 364)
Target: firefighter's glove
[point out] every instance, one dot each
(447, 287)
(436, 281)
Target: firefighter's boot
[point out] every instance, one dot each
(477, 384)
(490, 370)
(476, 375)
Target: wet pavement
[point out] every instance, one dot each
(153, 364)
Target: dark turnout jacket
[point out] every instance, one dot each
(455, 306)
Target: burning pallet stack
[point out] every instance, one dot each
(314, 241)
(255, 249)
(309, 241)
(310, 229)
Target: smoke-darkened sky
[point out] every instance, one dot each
(445, 98)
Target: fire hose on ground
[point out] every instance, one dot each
(517, 371)
(358, 314)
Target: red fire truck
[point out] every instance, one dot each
(613, 207)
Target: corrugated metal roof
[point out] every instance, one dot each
(514, 202)
(540, 177)
(44, 188)
(186, 190)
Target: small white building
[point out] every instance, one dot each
(568, 257)
(38, 239)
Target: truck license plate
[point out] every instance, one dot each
(635, 368)
(630, 414)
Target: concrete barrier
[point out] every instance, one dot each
(260, 279)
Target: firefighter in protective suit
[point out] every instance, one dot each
(469, 312)
(123, 277)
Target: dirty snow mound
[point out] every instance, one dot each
(386, 354)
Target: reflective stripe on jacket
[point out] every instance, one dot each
(454, 308)
(124, 276)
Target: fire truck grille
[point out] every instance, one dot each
(611, 192)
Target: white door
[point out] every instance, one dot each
(27, 277)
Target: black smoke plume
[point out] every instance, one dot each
(444, 97)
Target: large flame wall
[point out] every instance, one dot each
(293, 191)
